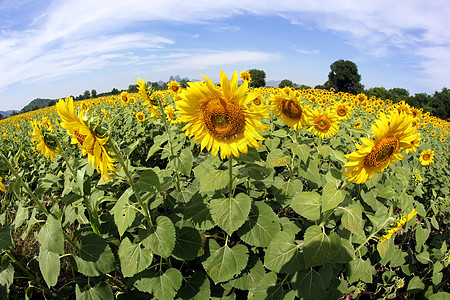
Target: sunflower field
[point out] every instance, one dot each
(225, 192)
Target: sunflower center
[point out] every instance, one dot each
(341, 112)
(223, 119)
(80, 138)
(323, 125)
(291, 109)
(382, 151)
(426, 156)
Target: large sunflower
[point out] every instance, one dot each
(46, 141)
(221, 117)
(426, 157)
(324, 123)
(87, 139)
(342, 110)
(392, 134)
(287, 105)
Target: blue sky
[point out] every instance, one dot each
(56, 48)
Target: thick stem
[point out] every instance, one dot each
(230, 172)
(166, 126)
(131, 182)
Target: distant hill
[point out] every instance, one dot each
(7, 113)
(37, 104)
(272, 83)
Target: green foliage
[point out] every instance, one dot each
(285, 83)
(258, 78)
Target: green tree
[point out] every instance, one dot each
(378, 92)
(115, 91)
(94, 93)
(440, 104)
(344, 77)
(87, 94)
(285, 83)
(258, 78)
(398, 94)
(132, 88)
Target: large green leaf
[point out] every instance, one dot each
(311, 284)
(148, 182)
(360, 269)
(283, 254)
(123, 211)
(197, 287)
(261, 227)
(188, 244)
(319, 248)
(45, 183)
(5, 238)
(276, 158)
(134, 258)
(211, 179)
(184, 162)
(95, 256)
(160, 238)
(269, 287)
(51, 236)
(307, 204)
(6, 275)
(200, 216)
(49, 264)
(230, 213)
(163, 285)
(225, 262)
(331, 196)
(250, 278)
(101, 291)
(352, 217)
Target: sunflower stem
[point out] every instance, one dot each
(230, 172)
(93, 215)
(144, 208)
(374, 233)
(166, 126)
(328, 213)
(25, 186)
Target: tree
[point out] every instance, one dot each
(344, 77)
(285, 83)
(398, 94)
(378, 92)
(115, 91)
(94, 93)
(258, 78)
(440, 104)
(87, 94)
(132, 88)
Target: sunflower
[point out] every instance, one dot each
(414, 144)
(392, 134)
(124, 97)
(397, 225)
(324, 123)
(245, 76)
(289, 108)
(90, 141)
(144, 93)
(46, 141)
(132, 100)
(342, 110)
(426, 157)
(358, 124)
(174, 87)
(221, 117)
(171, 114)
(140, 116)
(2, 187)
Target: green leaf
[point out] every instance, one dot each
(160, 238)
(95, 256)
(307, 204)
(319, 248)
(230, 214)
(360, 269)
(331, 196)
(250, 279)
(5, 238)
(311, 284)
(283, 254)
(415, 285)
(225, 262)
(184, 162)
(133, 257)
(123, 211)
(161, 285)
(276, 158)
(261, 227)
(6, 275)
(45, 183)
(148, 182)
(197, 287)
(302, 151)
(21, 215)
(210, 178)
(188, 244)
(51, 236)
(440, 296)
(311, 172)
(422, 235)
(49, 265)
(387, 193)
(269, 288)
(101, 291)
(200, 216)
(352, 217)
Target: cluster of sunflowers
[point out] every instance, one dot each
(230, 117)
